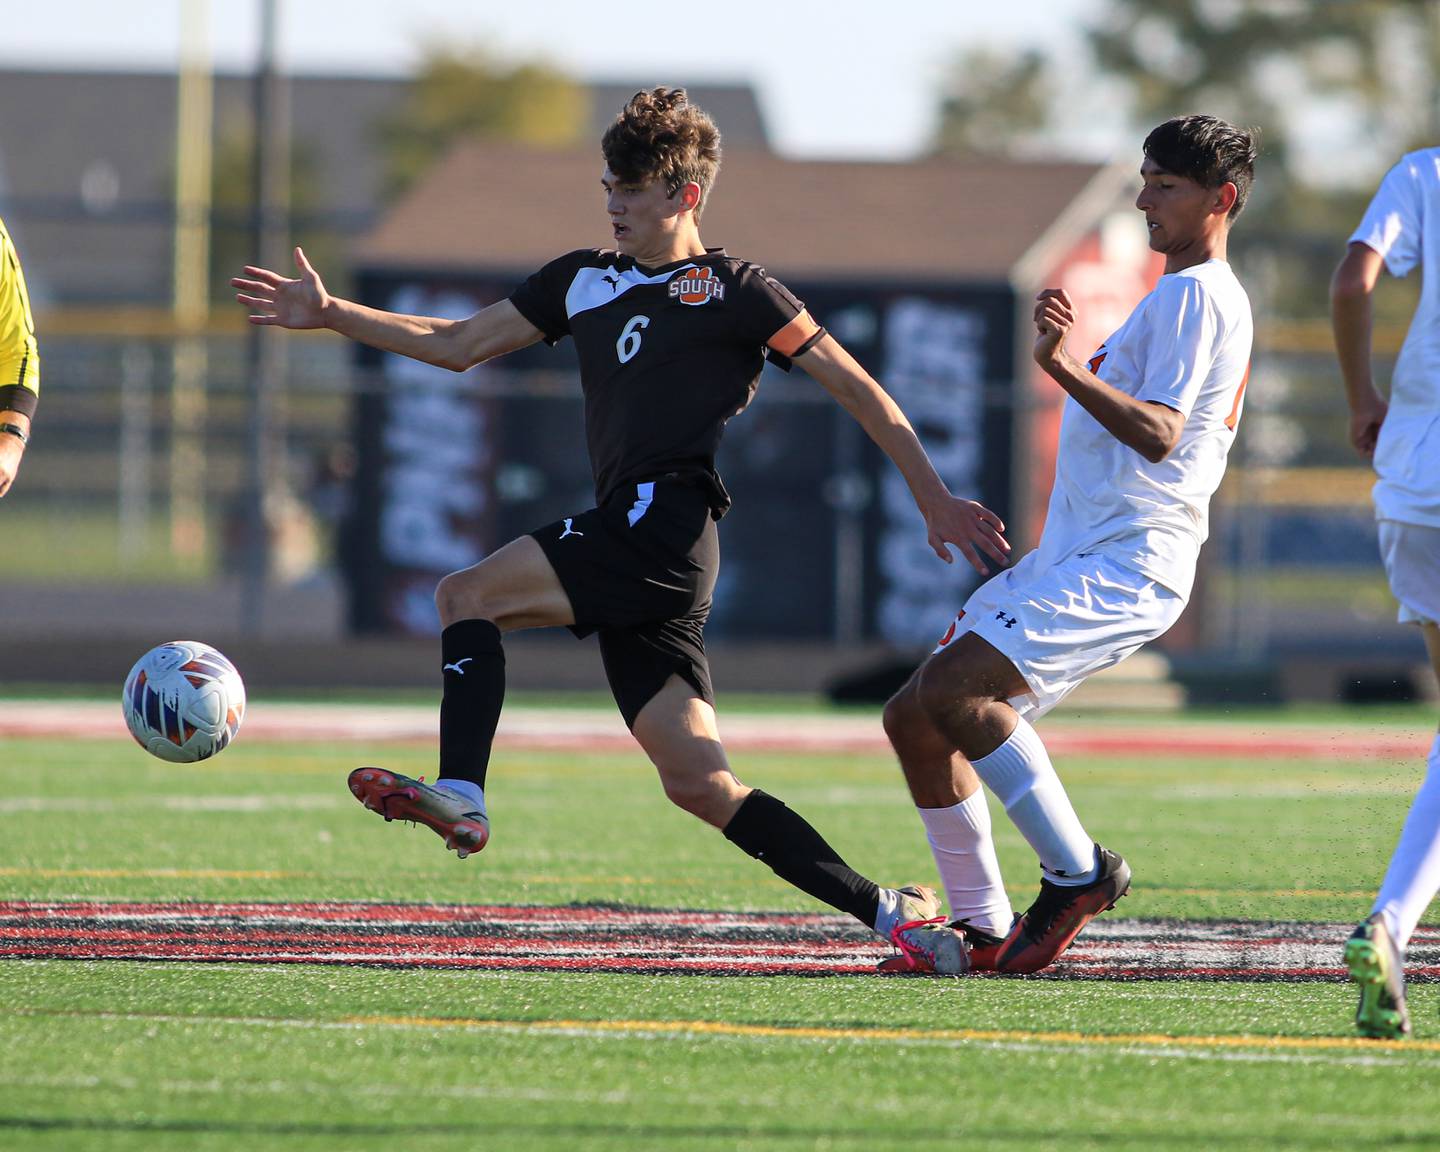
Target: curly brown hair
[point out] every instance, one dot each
(661, 135)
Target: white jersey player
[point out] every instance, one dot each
(1147, 427)
(1400, 231)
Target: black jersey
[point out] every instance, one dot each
(667, 354)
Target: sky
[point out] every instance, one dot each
(843, 78)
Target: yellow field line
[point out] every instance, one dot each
(977, 1035)
(724, 1029)
(151, 873)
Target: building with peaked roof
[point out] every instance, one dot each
(925, 271)
(941, 220)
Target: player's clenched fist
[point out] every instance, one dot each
(1054, 317)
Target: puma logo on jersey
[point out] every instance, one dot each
(613, 281)
(695, 285)
(570, 529)
(456, 667)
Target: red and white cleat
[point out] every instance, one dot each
(398, 797)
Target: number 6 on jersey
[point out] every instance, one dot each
(629, 342)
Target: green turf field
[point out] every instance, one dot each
(126, 1055)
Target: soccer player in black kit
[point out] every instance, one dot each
(671, 338)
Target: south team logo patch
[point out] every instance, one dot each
(696, 285)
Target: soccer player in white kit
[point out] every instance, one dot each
(1149, 421)
(1400, 230)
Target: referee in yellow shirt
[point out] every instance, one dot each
(19, 363)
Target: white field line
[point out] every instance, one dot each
(290, 800)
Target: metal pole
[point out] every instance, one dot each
(266, 348)
(191, 283)
(137, 365)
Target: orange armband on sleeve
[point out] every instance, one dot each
(797, 337)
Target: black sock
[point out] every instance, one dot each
(474, 671)
(769, 831)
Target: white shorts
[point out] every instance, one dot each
(1062, 624)
(1412, 562)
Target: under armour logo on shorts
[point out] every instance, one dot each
(455, 667)
(1010, 621)
(569, 529)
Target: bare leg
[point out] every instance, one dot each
(965, 691)
(514, 587)
(678, 732)
(953, 809)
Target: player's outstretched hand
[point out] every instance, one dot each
(972, 528)
(278, 300)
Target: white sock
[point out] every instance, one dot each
(466, 790)
(1020, 774)
(964, 853)
(887, 915)
(1413, 877)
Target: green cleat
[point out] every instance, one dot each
(1375, 964)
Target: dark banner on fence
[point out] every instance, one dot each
(824, 542)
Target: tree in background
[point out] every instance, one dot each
(996, 105)
(232, 233)
(461, 93)
(1361, 72)
(1339, 92)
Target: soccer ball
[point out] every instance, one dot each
(183, 701)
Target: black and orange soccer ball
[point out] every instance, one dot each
(183, 701)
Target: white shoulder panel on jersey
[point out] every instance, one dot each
(596, 287)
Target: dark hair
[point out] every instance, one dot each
(661, 135)
(1208, 151)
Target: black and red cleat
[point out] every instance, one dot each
(1059, 913)
(982, 948)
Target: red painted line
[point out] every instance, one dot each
(578, 730)
(515, 937)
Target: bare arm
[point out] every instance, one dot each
(1151, 429)
(12, 448)
(19, 362)
(1352, 319)
(970, 526)
(455, 344)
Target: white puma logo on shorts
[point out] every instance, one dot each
(455, 667)
(569, 529)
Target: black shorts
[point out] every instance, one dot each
(640, 571)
